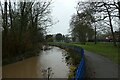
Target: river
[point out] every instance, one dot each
(37, 67)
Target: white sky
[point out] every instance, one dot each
(62, 10)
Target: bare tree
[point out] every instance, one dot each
(108, 10)
(24, 24)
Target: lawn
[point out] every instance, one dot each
(105, 49)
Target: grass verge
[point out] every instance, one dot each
(104, 49)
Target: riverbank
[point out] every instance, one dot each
(73, 57)
(9, 59)
(105, 49)
(97, 65)
(13, 59)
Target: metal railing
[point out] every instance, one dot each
(80, 74)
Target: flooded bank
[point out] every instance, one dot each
(36, 67)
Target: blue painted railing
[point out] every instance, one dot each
(80, 73)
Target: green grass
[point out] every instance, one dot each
(104, 49)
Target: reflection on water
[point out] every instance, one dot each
(53, 58)
(36, 67)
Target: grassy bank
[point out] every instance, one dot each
(104, 49)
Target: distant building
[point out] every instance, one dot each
(110, 37)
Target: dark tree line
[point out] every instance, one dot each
(23, 26)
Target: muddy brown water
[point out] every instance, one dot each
(36, 67)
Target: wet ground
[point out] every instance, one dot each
(100, 67)
(36, 67)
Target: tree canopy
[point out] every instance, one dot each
(59, 37)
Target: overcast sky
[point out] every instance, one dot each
(62, 10)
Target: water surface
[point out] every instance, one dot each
(36, 67)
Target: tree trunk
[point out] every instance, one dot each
(5, 18)
(10, 13)
(95, 35)
(111, 26)
(110, 21)
(119, 8)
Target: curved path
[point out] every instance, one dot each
(98, 66)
